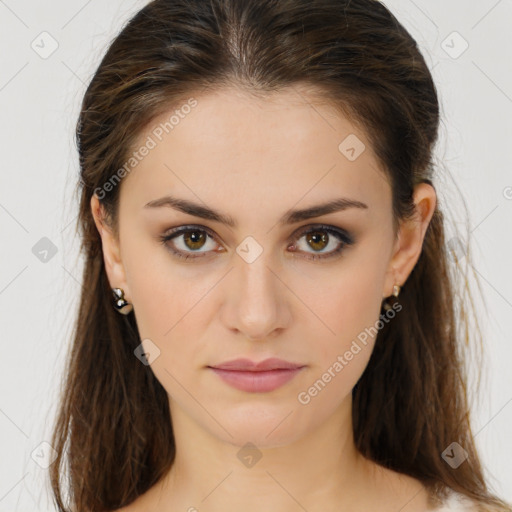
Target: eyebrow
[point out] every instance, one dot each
(289, 217)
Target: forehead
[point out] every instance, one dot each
(240, 148)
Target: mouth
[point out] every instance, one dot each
(257, 381)
(272, 363)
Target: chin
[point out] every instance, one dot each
(263, 427)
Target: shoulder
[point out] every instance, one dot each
(457, 502)
(144, 502)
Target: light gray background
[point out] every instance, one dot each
(39, 101)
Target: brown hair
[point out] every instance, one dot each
(113, 427)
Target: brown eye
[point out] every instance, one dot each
(188, 242)
(185, 241)
(321, 238)
(317, 240)
(194, 240)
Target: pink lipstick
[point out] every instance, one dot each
(253, 377)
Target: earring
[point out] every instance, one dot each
(396, 291)
(120, 303)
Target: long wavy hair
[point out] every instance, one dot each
(113, 431)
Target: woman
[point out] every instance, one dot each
(268, 319)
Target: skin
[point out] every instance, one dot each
(255, 159)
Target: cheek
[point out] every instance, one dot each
(173, 306)
(349, 309)
(345, 305)
(349, 306)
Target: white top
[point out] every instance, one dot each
(456, 502)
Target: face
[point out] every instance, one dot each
(305, 288)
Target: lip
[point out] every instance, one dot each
(261, 377)
(273, 363)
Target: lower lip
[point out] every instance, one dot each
(256, 382)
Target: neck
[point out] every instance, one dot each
(213, 474)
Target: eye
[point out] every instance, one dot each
(188, 238)
(184, 241)
(320, 238)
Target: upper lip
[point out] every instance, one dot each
(272, 363)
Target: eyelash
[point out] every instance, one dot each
(344, 238)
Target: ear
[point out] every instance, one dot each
(410, 238)
(111, 250)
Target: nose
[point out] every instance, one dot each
(258, 304)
